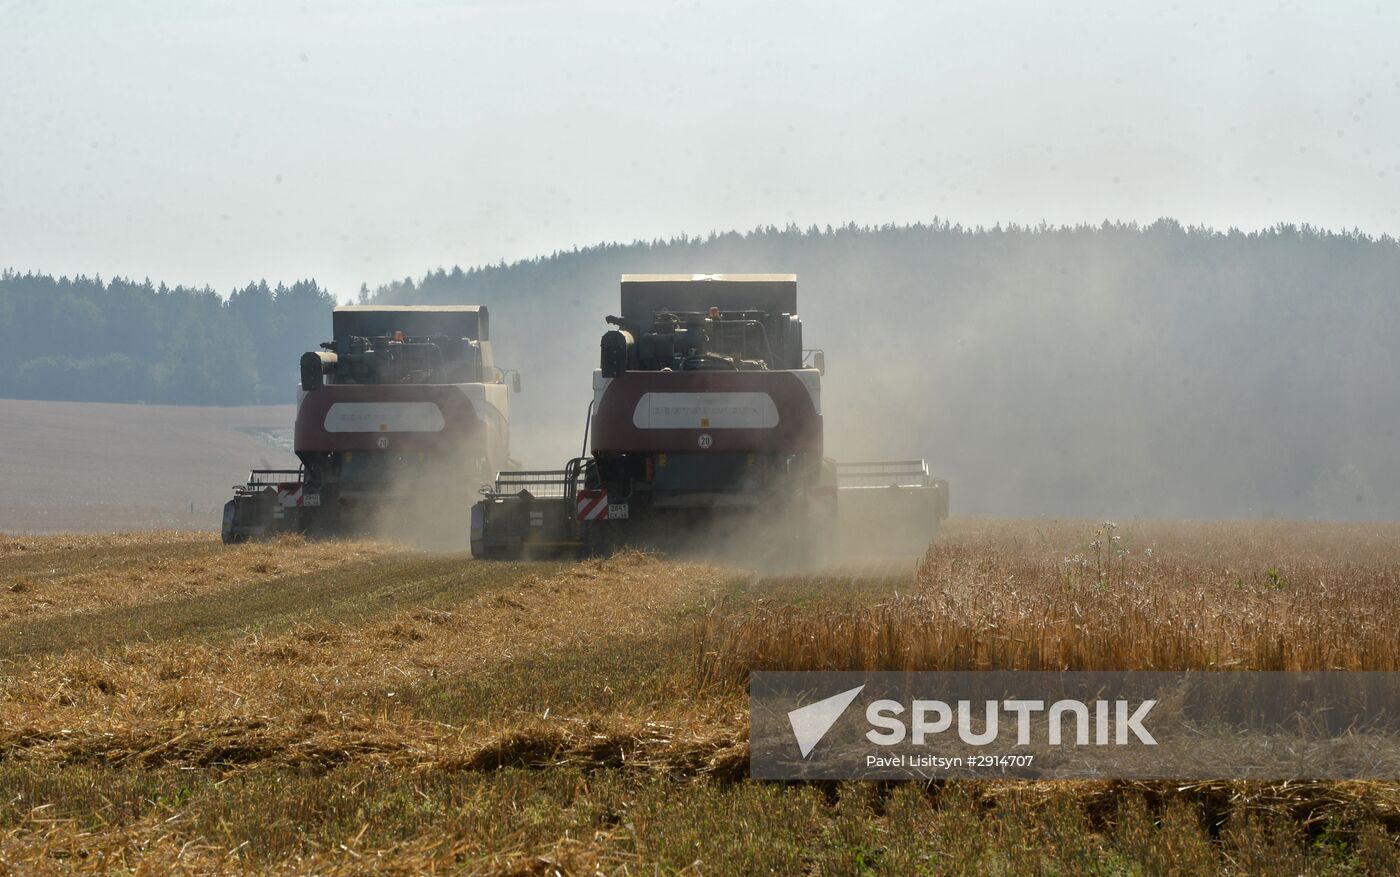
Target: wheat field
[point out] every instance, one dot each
(172, 705)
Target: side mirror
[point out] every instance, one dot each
(819, 361)
(515, 381)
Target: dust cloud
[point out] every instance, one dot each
(1101, 371)
(429, 506)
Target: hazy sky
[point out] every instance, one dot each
(217, 143)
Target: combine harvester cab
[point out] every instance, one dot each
(705, 432)
(399, 421)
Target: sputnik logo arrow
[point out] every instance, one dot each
(811, 722)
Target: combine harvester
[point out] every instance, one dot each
(404, 416)
(706, 430)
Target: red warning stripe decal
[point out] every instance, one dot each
(592, 505)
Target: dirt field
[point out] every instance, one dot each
(93, 467)
(170, 704)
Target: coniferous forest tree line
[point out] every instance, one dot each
(91, 340)
(1158, 370)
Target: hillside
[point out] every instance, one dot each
(1103, 371)
(1111, 370)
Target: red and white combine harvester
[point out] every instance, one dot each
(706, 431)
(403, 416)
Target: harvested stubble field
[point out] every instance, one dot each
(168, 704)
(97, 466)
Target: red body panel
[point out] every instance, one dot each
(798, 430)
(460, 420)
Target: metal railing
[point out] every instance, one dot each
(883, 473)
(274, 476)
(539, 482)
(562, 483)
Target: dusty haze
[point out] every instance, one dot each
(1099, 371)
(356, 142)
(1152, 373)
